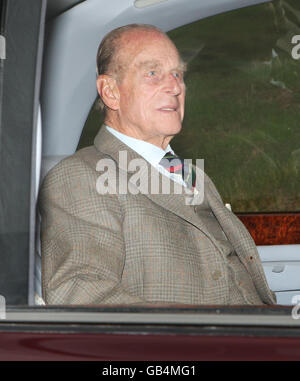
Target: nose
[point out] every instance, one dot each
(172, 84)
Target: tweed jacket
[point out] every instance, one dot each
(132, 248)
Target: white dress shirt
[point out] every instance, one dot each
(149, 152)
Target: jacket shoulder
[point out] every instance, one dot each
(81, 163)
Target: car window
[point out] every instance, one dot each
(242, 105)
(241, 117)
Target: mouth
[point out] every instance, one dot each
(168, 109)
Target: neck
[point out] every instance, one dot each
(159, 141)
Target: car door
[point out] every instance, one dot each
(101, 333)
(276, 234)
(22, 30)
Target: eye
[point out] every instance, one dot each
(151, 73)
(177, 74)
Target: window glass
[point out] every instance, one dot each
(242, 104)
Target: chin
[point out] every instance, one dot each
(175, 128)
(167, 127)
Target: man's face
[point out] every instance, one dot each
(152, 90)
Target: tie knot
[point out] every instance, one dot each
(174, 164)
(170, 155)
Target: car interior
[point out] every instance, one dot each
(68, 100)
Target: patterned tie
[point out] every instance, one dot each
(174, 164)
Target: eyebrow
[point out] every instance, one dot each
(149, 64)
(154, 64)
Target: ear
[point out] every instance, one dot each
(108, 91)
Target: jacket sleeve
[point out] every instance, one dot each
(83, 250)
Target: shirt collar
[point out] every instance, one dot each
(148, 151)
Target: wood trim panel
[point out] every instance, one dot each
(273, 228)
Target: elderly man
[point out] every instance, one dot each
(134, 247)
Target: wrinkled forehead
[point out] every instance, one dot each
(145, 47)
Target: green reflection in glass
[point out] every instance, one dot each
(242, 106)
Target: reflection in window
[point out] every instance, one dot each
(242, 106)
